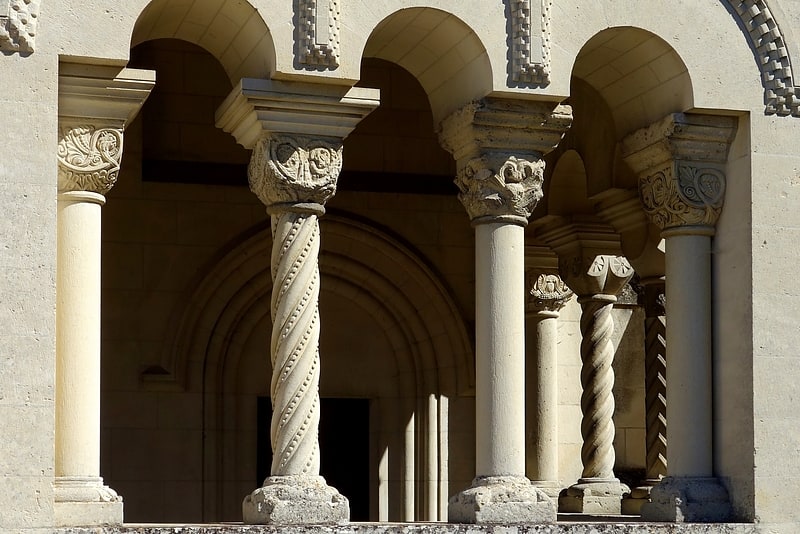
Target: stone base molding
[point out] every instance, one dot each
(688, 500)
(501, 499)
(85, 501)
(593, 496)
(295, 500)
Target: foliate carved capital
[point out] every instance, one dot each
(547, 292)
(510, 192)
(598, 275)
(683, 195)
(89, 158)
(292, 169)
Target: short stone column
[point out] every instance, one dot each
(596, 281)
(655, 392)
(297, 157)
(681, 166)
(498, 145)
(95, 104)
(547, 294)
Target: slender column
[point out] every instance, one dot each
(681, 167)
(547, 294)
(95, 104)
(296, 132)
(500, 179)
(598, 490)
(655, 392)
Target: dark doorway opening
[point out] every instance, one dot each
(344, 449)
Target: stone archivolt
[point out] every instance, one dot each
(18, 29)
(683, 195)
(89, 158)
(294, 169)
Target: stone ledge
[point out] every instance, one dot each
(428, 528)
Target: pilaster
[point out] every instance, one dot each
(296, 133)
(681, 162)
(95, 105)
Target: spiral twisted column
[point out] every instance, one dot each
(680, 162)
(596, 281)
(498, 145)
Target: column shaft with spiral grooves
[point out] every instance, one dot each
(655, 369)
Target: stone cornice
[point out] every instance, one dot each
(680, 162)
(257, 107)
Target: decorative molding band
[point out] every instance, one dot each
(18, 25)
(530, 52)
(318, 33)
(781, 96)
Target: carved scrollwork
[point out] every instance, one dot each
(692, 197)
(286, 169)
(18, 29)
(511, 192)
(89, 158)
(547, 292)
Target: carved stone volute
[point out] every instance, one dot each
(88, 158)
(295, 170)
(681, 166)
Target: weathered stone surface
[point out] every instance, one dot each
(501, 500)
(293, 500)
(593, 497)
(691, 500)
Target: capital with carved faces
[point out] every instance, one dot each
(681, 161)
(288, 169)
(498, 145)
(547, 292)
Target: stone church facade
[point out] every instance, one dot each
(311, 262)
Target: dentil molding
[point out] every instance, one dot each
(318, 33)
(530, 41)
(18, 20)
(293, 169)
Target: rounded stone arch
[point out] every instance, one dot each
(233, 32)
(440, 50)
(565, 187)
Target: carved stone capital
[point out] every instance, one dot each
(683, 195)
(295, 169)
(88, 158)
(18, 23)
(509, 191)
(681, 162)
(547, 292)
(601, 275)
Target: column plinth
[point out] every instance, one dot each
(681, 163)
(598, 491)
(500, 182)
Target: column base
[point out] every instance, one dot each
(294, 500)
(85, 501)
(501, 499)
(688, 500)
(593, 496)
(551, 488)
(632, 504)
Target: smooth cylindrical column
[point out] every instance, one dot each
(688, 303)
(542, 401)
(500, 349)
(78, 335)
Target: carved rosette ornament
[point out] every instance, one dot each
(597, 288)
(548, 293)
(89, 158)
(683, 195)
(510, 193)
(291, 170)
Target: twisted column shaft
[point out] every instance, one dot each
(295, 344)
(655, 368)
(597, 380)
